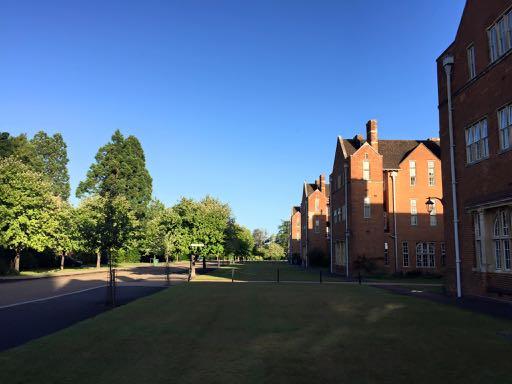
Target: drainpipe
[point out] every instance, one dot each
(447, 65)
(393, 175)
(345, 182)
(331, 229)
(307, 233)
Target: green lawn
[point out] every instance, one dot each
(206, 332)
(267, 271)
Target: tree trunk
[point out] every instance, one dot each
(17, 260)
(62, 261)
(98, 259)
(192, 273)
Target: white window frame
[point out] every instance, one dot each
(478, 239)
(425, 255)
(471, 61)
(405, 254)
(477, 141)
(505, 127)
(366, 170)
(493, 43)
(499, 37)
(431, 172)
(367, 211)
(414, 212)
(317, 226)
(317, 204)
(433, 215)
(412, 173)
(501, 241)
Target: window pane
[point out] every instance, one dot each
(502, 38)
(506, 253)
(497, 253)
(493, 44)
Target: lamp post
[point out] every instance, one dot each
(430, 203)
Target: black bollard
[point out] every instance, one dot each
(320, 277)
(278, 275)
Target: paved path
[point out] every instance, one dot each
(497, 308)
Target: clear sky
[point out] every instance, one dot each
(238, 99)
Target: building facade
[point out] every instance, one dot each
(294, 240)
(378, 213)
(475, 77)
(314, 209)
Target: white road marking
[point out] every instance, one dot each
(50, 297)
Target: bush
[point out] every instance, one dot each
(272, 251)
(128, 255)
(318, 258)
(364, 265)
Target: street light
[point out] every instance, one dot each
(430, 203)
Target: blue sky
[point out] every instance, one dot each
(241, 100)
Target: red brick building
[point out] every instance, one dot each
(314, 209)
(475, 77)
(378, 211)
(294, 240)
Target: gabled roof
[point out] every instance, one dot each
(295, 210)
(395, 151)
(392, 151)
(309, 188)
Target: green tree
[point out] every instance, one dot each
(117, 224)
(260, 236)
(202, 222)
(283, 235)
(272, 251)
(163, 234)
(66, 236)
(239, 240)
(120, 170)
(19, 147)
(51, 159)
(27, 209)
(90, 219)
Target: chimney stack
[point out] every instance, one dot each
(371, 134)
(321, 182)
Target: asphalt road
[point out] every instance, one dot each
(30, 309)
(25, 322)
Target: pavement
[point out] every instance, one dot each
(483, 305)
(33, 308)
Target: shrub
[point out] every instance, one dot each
(318, 258)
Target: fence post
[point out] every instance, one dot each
(278, 275)
(232, 275)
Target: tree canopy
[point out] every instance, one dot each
(51, 159)
(120, 170)
(27, 208)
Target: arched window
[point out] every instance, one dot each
(501, 240)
